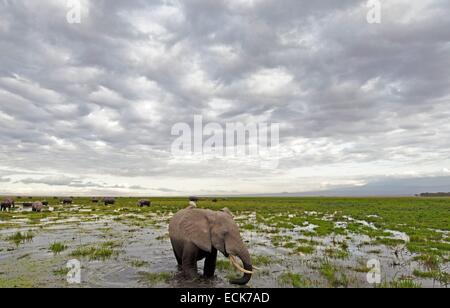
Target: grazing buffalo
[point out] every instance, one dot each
(95, 200)
(143, 203)
(109, 200)
(37, 206)
(65, 201)
(194, 199)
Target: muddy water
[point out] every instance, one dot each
(143, 255)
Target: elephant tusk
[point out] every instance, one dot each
(237, 266)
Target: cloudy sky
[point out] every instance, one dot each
(88, 108)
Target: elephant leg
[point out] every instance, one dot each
(178, 252)
(210, 264)
(189, 260)
(179, 259)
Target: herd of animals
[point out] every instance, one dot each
(195, 234)
(37, 206)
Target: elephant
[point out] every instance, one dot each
(198, 234)
(143, 203)
(6, 205)
(109, 200)
(37, 206)
(65, 201)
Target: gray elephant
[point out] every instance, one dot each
(7, 204)
(109, 200)
(37, 206)
(67, 201)
(198, 234)
(143, 203)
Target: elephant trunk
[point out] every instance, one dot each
(244, 255)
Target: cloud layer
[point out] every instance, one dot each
(88, 108)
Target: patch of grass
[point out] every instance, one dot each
(249, 227)
(63, 271)
(401, 284)
(388, 241)
(336, 253)
(20, 238)
(22, 282)
(335, 278)
(361, 267)
(294, 280)
(224, 265)
(289, 245)
(307, 250)
(429, 261)
(262, 260)
(102, 252)
(138, 263)
(57, 248)
(155, 278)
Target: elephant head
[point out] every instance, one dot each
(209, 229)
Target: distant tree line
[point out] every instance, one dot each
(438, 194)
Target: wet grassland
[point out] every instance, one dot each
(295, 242)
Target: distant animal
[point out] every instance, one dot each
(143, 203)
(197, 234)
(65, 201)
(95, 200)
(109, 200)
(45, 203)
(37, 206)
(6, 205)
(27, 204)
(193, 198)
(214, 200)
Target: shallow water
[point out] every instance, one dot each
(145, 249)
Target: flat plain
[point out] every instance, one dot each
(294, 242)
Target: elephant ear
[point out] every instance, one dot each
(197, 229)
(227, 210)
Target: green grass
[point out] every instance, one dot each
(262, 260)
(307, 250)
(101, 252)
(336, 253)
(155, 278)
(224, 265)
(20, 238)
(57, 248)
(422, 219)
(138, 263)
(294, 280)
(401, 284)
(334, 277)
(21, 282)
(63, 271)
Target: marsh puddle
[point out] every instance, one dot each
(140, 254)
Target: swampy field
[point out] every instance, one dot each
(294, 242)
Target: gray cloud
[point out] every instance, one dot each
(99, 98)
